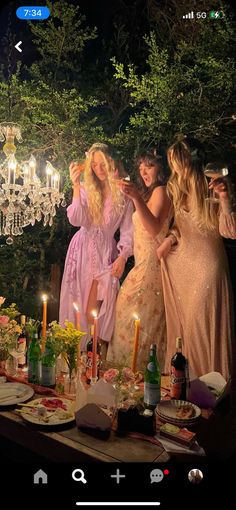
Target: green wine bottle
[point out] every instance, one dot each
(152, 381)
(48, 367)
(34, 360)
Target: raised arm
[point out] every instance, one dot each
(78, 212)
(227, 218)
(154, 214)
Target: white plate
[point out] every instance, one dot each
(13, 393)
(51, 417)
(167, 410)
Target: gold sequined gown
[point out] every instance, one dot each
(198, 297)
(141, 293)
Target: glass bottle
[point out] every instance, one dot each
(152, 380)
(89, 359)
(34, 360)
(48, 367)
(21, 344)
(178, 373)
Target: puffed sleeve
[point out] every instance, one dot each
(227, 225)
(78, 211)
(125, 244)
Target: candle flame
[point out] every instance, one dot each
(76, 307)
(44, 298)
(94, 313)
(136, 317)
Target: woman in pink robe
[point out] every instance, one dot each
(94, 261)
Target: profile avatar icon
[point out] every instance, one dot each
(195, 476)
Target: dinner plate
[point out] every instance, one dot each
(167, 411)
(13, 393)
(58, 411)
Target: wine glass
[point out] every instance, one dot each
(214, 171)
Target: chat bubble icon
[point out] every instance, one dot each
(156, 476)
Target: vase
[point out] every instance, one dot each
(70, 383)
(11, 365)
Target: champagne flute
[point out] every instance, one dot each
(214, 171)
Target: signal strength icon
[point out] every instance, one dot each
(190, 15)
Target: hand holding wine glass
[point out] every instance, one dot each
(76, 169)
(218, 184)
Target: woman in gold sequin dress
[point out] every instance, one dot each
(197, 291)
(141, 292)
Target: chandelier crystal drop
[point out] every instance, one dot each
(24, 199)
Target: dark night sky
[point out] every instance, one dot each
(99, 13)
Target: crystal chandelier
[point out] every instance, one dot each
(23, 197)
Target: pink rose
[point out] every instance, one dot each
(111, 375)
(127, 374)
(4, 319)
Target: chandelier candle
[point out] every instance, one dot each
(136, 342)
(12, 164)
(44, 325)
(95, 341)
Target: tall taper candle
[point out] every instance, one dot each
(95, 342)
(136, 341)
(44, 324)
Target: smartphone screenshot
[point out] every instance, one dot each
(118, 253)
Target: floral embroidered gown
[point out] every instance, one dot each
(198, 297)
(90, 255)
(141, 294)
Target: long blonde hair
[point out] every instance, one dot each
(93, 187)
(188, 185)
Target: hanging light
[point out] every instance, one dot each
(24, 199)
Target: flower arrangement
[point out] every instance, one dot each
(9, 329)
(127, 385)
(65, 341)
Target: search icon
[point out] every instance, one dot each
(78, 475)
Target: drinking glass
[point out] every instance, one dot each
(214, 171)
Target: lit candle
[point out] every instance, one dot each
(12, 164)
(44, 325)
(49, 174)
(56, 180)
(77, 312)
(32, 167)
(95, 342)
(136, 341)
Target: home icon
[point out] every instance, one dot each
(40, 477)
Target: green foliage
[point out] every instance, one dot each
(185, 92)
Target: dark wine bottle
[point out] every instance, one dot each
(89, 360)
(21, 344)
(178, 373)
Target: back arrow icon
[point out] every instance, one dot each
(17, 46)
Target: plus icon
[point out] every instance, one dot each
(117, 476)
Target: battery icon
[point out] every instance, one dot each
(216, 15)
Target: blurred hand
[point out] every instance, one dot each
(164, 248)
(75, 171)
(129, 189)
(220, 186)
(118, 267)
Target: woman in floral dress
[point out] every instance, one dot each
(141, 292)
